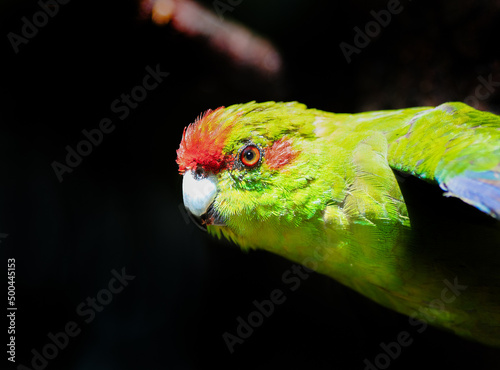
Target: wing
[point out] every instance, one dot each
(456, 146)
(452, 145)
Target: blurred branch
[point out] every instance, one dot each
(234, 40)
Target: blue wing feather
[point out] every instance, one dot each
(480, 189)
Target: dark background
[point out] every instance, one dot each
(120, 208)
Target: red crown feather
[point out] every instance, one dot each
(203, 141)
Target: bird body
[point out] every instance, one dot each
(327, 190)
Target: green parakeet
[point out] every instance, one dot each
(322, 189)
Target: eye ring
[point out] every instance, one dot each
(250, 156)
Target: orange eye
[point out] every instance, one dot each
(250, 156)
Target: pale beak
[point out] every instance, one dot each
(199, 193)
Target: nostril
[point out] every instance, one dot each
(199, 173)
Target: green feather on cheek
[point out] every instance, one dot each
(344, 192)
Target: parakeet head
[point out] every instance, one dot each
(250, 170)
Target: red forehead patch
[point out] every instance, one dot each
(203, 141)
(280, 154)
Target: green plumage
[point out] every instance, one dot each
(337, 206)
